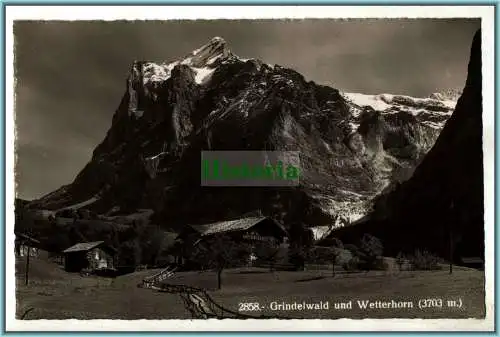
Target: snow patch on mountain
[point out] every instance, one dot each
(353, 126)
(432, 112)
(202, 74)
(153, 72)
(157, 73)
(320, 232)
(385, 102)
(447, 95)
(82, 204)
(343, 212)
(151, 163)
(361, 100)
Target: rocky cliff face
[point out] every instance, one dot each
(443, 200)
(352, 146)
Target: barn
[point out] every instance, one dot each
(89, 257)
(250, 229)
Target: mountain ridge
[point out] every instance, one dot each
(354, 146)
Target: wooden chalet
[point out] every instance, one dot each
(250, 229)
(89, 257)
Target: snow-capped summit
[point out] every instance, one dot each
(450, 94)
(208, 54)
(202, 60)
(146, 77)
(433, 111)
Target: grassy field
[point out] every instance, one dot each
(55, 294)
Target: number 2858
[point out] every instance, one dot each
(249, 307)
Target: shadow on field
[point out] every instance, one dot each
(311, 279)
(243, 272)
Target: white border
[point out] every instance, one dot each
(486, 13)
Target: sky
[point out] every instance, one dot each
(70, 76)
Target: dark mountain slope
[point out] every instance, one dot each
(444, 197)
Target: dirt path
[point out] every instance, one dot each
(196, 300)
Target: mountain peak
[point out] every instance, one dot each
(202, 61)
(208, 54)
(146, 77)
(447, 95)
(217, 39)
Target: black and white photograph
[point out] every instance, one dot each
(230, 169)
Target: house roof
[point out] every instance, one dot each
(231, 225)
(82, 246)
(472, 260)
(26, 237)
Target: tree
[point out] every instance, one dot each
(301, 240)
(74, 233)
(371, 250)
(129, 253)
(220, 252)
(268, 252)
(151, 239)
(450, 238)
(424, 260)
(28, 242)
(400, 260)
(333, 242)
(353, 262)
(334, 255)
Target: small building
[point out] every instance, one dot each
(56, 257)
(472, 262)
(89, 256)
(25, 245)
(251, 229)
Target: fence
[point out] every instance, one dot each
(151, 281)
(201, 306)
(196, 300)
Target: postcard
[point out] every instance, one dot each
(249, 168)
